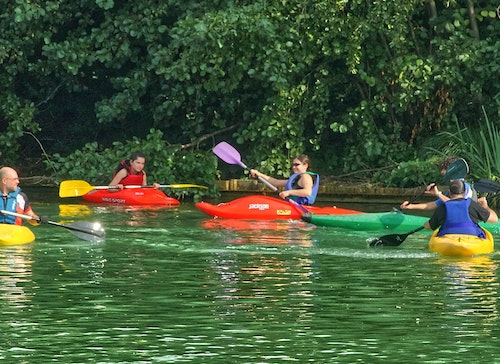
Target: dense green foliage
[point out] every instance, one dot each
(480, 146)
(356, 84)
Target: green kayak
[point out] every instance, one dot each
(493, 227)
(370, 221)
(375, 221)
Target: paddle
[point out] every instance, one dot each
(84, 230)
(393, 239)
(75, 188)
(456, 170)
(486, 186)
(230, 155)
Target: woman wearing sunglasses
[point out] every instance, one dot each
(302, 186)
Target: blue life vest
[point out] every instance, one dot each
(11, 203)
(458, 220)
(293, 184)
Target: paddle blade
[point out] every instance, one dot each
(456, 170)
(486, 186)
(74, 188)
(183, 185)
(228, 154)
(90, 231)
(392, 239)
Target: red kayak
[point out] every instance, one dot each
(259, 207)
(132, 196)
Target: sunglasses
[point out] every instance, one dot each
(296, 164)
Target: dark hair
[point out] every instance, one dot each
(137, 154)
(304, 158)
(124, 163)
(457, 187)
(445, 163)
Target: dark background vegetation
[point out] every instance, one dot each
(376, 90)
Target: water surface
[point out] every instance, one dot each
(174, 286)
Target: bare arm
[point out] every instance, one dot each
(122, 173)
(418, 206)
(493, 215)
(30, 212)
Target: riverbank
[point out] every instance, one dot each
(337, 191)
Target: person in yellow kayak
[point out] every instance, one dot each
(130, 172)
(302, 186)
(13, 199)
(460, 215)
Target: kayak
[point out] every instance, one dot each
(15, 234)
(131, 196)
(370, 221)
(492, 227)
(260, 207)
(461, 244)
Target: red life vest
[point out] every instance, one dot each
(131, 178)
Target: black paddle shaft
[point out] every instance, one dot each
(393, 239)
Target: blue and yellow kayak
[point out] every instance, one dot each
(460, 244)
(15, 235)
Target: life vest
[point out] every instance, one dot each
(131, 178)
(293, 184)
(14, 202)
(458, 220)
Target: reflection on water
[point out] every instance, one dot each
(279, 232)
(136, 216)
(74, 210)
(471, 292)
(15, 274)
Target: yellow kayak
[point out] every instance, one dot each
(15, 234)
(461, 244)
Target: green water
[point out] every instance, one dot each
(174, 286)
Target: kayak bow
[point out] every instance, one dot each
(15, 234)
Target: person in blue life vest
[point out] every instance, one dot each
(460, 215)
(432, 189)
(13, 199)
(130, 172)
(302, 186)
